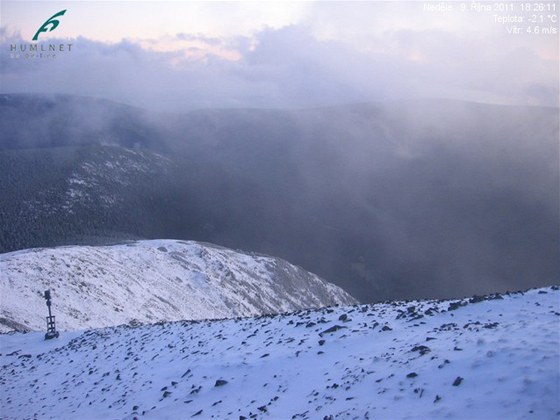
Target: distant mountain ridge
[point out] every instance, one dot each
(152, 281)
(31, 121)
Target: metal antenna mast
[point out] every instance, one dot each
(51, 327)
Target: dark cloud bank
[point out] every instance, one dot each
(403, 199)
(291, 68)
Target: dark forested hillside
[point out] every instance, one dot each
(65, 195)
(402, 200)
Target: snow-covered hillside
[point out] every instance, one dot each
(150, 281)
(494, 358)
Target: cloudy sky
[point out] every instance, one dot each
(179, 55)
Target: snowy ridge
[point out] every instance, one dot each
(495, 358)
(151, 281)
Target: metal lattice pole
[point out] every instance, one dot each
(51, 325)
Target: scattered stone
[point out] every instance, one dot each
(220, 382)
(457, 381)
(456, 305)
(448, 327)
(445, 362)
(331, 329)
(476, 299)
(421, 349)
(412, 375)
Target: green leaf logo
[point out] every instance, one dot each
(52, 22)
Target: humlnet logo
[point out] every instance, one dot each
(52, 22)
(42, 50)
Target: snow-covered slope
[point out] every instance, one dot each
(150, 281)
(494, 358)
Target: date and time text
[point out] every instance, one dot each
(516, 18)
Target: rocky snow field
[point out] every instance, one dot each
(495, 357)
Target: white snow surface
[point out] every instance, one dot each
(492, 358)
(150, 281)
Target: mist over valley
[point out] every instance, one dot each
(393, 200)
